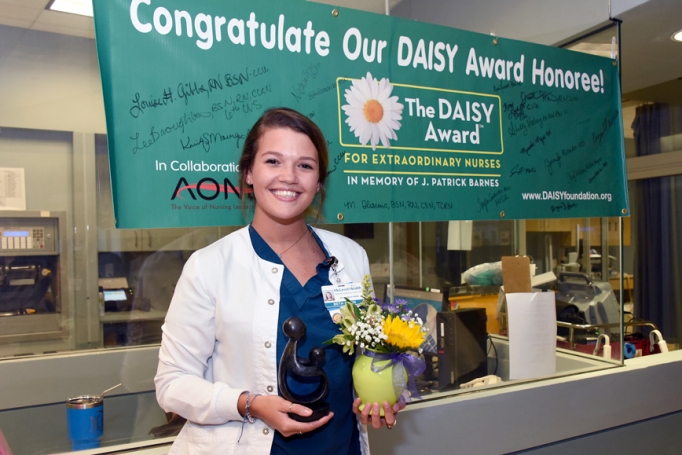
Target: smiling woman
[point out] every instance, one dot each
(233, 297)
(297, 131)
(284, 175)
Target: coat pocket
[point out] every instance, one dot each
(209, 439)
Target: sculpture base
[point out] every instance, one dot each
(320, 409)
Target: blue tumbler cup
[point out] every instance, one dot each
(85, 421)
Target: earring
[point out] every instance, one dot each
(318, 188)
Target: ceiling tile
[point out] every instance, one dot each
(64, 30)
(19, 12)
(68, 24)
(35, 4)
(15, 22)
(65, 19)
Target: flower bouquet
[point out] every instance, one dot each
(389, 337)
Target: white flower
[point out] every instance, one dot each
(372, 113)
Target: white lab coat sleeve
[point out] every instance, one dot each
(364, 438)
(186, 348)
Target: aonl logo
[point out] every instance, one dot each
(207, 189)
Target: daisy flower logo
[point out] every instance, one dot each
(372, 113)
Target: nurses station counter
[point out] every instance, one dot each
(599, 407)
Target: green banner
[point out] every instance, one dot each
(423, 122)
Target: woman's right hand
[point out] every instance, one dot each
(273, 410)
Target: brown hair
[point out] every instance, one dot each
(283, 117)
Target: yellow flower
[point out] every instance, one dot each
(403, 335)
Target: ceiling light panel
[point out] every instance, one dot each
(80, 7)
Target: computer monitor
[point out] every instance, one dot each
(426, 303)
(462, 343)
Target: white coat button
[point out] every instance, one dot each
(274, 270)
(338, 280)
(267, 344)
(270, 388)
(266, 431)
(271, 302)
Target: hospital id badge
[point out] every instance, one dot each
(335, 297)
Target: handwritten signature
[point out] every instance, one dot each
(337, 159)
(549, 163)
(563, 206)
(498, 197)
(538, 140)
(208, 139)
(144, 142)
(521, 170)
(606, 125)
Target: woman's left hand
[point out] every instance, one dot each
(370, 414)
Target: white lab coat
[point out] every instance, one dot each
(219, 340)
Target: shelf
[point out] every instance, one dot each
(133, 315)
(628, 283)
(568, 225)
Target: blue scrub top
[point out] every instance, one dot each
(340, 435)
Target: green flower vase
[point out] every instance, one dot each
(373, 387)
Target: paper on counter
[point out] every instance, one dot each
(532, 334)
(12, 189)
(543, 278)
(113, 283)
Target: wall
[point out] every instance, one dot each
(538, 21)
(47, 158)
(659, 435)
(49, 81)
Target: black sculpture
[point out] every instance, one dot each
(291, 363)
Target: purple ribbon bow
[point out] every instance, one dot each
(401, 361)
